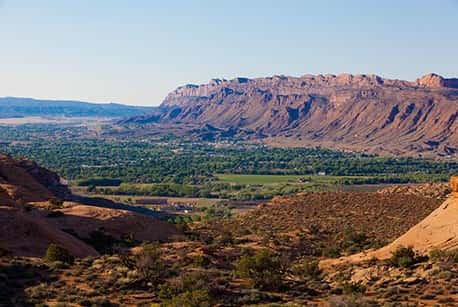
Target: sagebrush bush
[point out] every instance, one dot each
(150, 265)
(196, 298)
(404, 257)
(447, 256)
(185, 285)
(58, 253)
(350, 287)
(308, 270)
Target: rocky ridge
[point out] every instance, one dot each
(354, 112)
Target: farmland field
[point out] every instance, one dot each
(257, 179)
(276, 179)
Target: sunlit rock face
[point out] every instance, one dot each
(354, 112)
(454, 185)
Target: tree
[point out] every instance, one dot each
(149, 264)
(263, 269)
(58, 253)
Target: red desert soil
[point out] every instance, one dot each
(85, 219)
(24, 234)
(30, 233)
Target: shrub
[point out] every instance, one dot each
(58, 253)
(330, 252)
(54, 204)
(447, 256)
(349, 287)
(263, 269)
(217, 212)
(196, 298)
(187, 286)
(354, 241)
(149, 264)
(201, 261)
(404, 257)
(225, 238)
(309, 270)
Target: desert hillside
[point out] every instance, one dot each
(327, 224)
(26, 181)
(354, 112)
(437, 231)
(266, 255)
(34, 214)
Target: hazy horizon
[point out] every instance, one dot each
(114, 51)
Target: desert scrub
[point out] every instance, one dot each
(308, 270)
(54, 204)
(350, 287)
(354, 241)
(201, 261)
(40, 292)
(190, 289)
(264, 269)
(58, 253)
(330, 252)
(404, 257)
(438, 255)
(196, 298)
(150, 266)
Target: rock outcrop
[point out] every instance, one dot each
(24, 180)
(355, 112)
(26, 229)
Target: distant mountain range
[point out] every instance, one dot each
(23, 107)
(353, 112)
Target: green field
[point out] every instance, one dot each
(277, 179)
(274, 179)
(257, 179)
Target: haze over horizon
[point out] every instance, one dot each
(113, 51)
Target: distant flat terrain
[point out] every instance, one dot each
(16, 121)
(11, 107)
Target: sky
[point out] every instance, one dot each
(136, 51)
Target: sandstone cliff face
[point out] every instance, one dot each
(454, 185)
(349, 111)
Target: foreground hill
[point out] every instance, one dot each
(265, 257)
(356, 112)
(25, 107)
(32, 216)
(329, 223)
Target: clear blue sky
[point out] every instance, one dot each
(135, 52)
